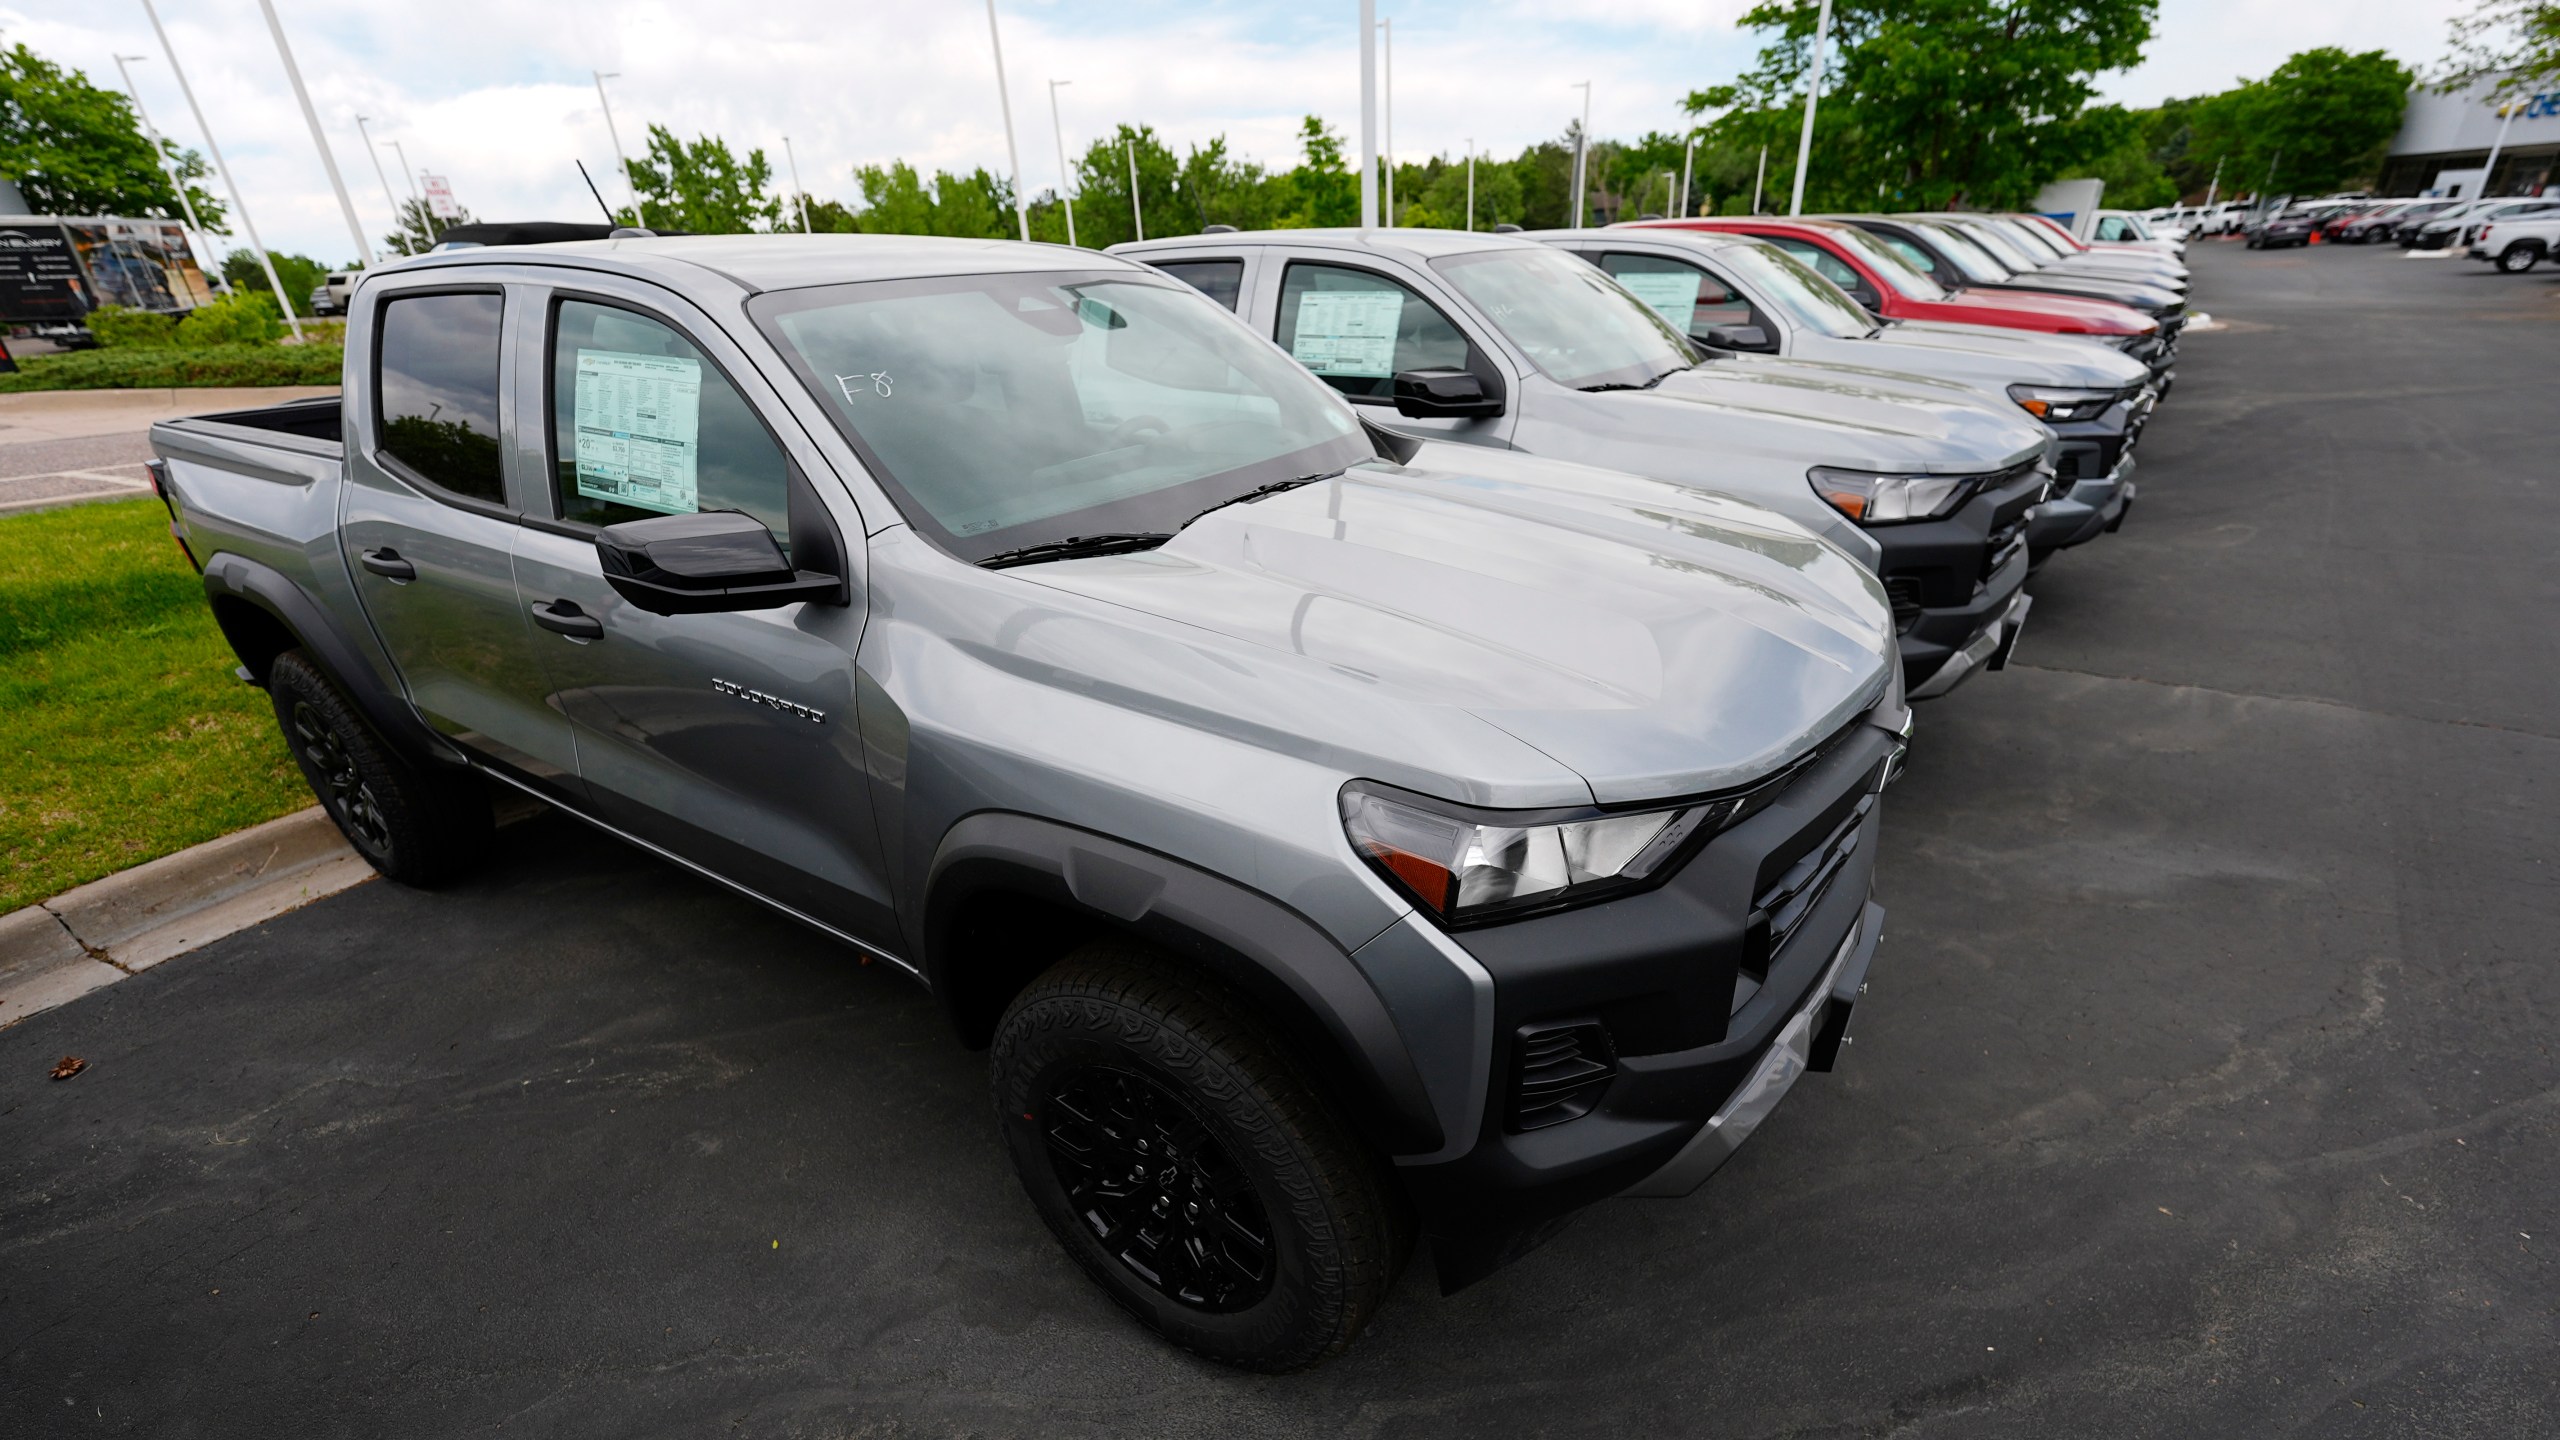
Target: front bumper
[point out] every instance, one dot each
(2091, 507)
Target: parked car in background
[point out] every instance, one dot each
(1894, 288)
(2280, 229)
(1737, 296)
(2069, 254)
(2374, 226)
(1329, 835)
(2124, 227)
(1961, 259)
(1499, 341)
(2518, 244)
(2454, 230)
(324, 302)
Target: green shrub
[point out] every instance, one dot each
(117, 326)
(240, 319)
(132, 369)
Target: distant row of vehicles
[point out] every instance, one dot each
(2514, 233)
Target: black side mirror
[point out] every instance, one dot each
(1443, 391)
(697, 564)
(1736, 337)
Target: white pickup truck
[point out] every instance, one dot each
(2518, 244)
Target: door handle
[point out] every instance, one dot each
(563, 617)
(386, 562)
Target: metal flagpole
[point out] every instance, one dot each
(1065, 176)
(426, 217)
(1688, 169)
(375, 155)
(2489, 171)
(1368, 114)
(619, 157)
(1812, 92)
(1137, 216)
(195, 227)
(1760, 180)
(1471, 182)
(1387, 94)
(214, 148)
(1581, 150)
(1021, 205)
(794, 162)
(319, 137)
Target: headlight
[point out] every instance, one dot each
(1873, 499)
(2059, 405)
(1464, 865)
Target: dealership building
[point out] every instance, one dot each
(2444, 140)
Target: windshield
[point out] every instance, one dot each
(1793, 287)
(2022, 233)
(1901, 274)
(1958, 246)
(1578, 326)
(1010, 410)
(2006, 249)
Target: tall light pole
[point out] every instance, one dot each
(794, 162)
(2215, 188)
(374, 154)
(1812, 92)
(1688, 169)
(1581, 148)
(1471, 182)
(619, 157)
(1137, 217)
(1368, 114)
(426, 217)
(1760, 181)
(2489, 172)
(265, 261)
(1065, 176)
(1012, 154)
(195, 227)
(1387, 103)
(319, 137)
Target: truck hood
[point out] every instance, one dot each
(1998, 307)
(2028, 357)
(1654, 640)
(1820, 414)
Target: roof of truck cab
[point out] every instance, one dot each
(788, 262)
(1413, 243)
(1700, 239)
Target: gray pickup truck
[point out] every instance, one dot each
(1334, 838)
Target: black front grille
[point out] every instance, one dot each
(1783, 906)
(1903, 593)
(1558, 1072)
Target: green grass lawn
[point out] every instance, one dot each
(123, 735)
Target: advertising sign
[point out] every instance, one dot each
(440, 197)
(56, 271)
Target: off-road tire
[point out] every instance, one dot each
(2517, 259)
(1338, 1226)
(418, 825)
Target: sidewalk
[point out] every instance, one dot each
(60, 447)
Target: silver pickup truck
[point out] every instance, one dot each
(1334, 838)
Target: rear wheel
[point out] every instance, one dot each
(418, 826)
(2517, 259)
(1188, 1167)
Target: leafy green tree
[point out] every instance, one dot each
(2323, 119)
(1927, 103)
(300, 273)
(75, 149)
(2515, 40)
(897, 201)
(419, 229)
(702, 187)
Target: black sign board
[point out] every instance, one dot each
(40, 276)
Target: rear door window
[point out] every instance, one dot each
(437, 393)
(1825, 264)
(1220, 280)
(1687, 296)
(1355, 329)
(643, 423)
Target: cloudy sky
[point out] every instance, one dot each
(496, 94)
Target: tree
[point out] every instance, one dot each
(1930, 102)
(300, 273)
(896, 201)
(418, 228)
(2515, 40)
(74, 149)
(703, 188)
(2322, 119)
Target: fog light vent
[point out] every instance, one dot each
(1902, 592)
(1558, 1072)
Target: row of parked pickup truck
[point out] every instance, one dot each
(1381, 734)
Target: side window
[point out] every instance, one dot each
(2114, 228)
(437, 397)
(642, 423)
(1220, 280)
(1827, 265)
(1921, 260)
(1690, 298)
(1356, 330)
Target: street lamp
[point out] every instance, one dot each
(195, 227)
(794, 162)
(1387, 93)
(1004, 97)
(1368, 114)
(2507, 116)
(1471, 182)
(319, 137)
(265, 261)
(1065, 176)
(1688, 168)
(1581, 148)
(1137, 217)
(1812, 92)
(374, 154)
(610, 129)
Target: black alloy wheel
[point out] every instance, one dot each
(1155, 1187)
(417, 822)
(342, 788)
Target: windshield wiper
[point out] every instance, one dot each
(1258, 491)
(1649, 384)
(1076, 547)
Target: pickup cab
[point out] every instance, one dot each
(1334, 839)
(2517, 239)
(1502, 343)
(1735, 295)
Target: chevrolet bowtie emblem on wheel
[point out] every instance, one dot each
(772, 702)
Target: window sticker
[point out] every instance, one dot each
(1673, 294)
(639, 429)
(1348, 332)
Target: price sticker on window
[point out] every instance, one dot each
(1673, 294)
(1348, 332)
(639, 430)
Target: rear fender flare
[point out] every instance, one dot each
(242, 590)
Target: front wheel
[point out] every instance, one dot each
(417, 826)
(2517, 259)
(1188, 1167)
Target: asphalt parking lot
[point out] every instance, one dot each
(2207, 1085)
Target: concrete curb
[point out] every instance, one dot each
(65, 947)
